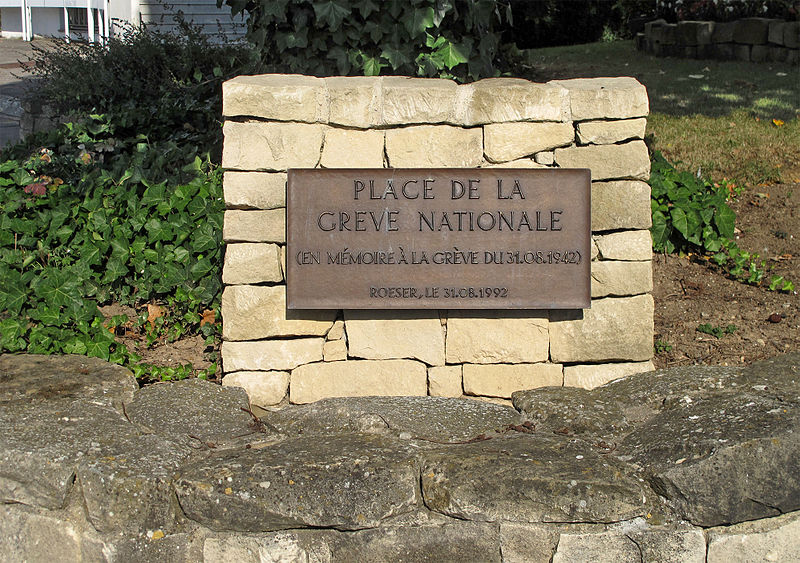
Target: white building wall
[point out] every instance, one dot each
(47, 21)
(11, 20)
(155, 14)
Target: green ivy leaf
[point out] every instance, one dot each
(372, 66)
(96, 349)
(11, 335)
(418, 21)
(74, 346)
(330, 13)
(204, 238)
(115, 269)
(366, 7)
(12, 298)
(57, 288)
(21, 177)
(200, 268)
(450, 55)
(47, 315)
(397, 57)
(158, 230)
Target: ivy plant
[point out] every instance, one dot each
(90, 218)
(447, 38)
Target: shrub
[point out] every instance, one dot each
(457, 38)
(159, 85)
(726, 10)
(690, 214)
(553, 22)
(121, 205)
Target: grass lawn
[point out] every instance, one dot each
(734, 120)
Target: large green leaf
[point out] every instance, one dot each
(678, 216)
(418, 21)
(48, 315)
(397, 57)
(11, 335)
(204, 238)
(58, 288)
(97, 349)
(330, 13)
(372, 66)
(12, 298)
(366, 7)
(158, 230)
(659, 230)
(725, 220)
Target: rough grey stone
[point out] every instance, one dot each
(127, 483)
(345, 482)
(437, 419)
(759, 53)
(452, 541)
(457, 541)
(791, 35)
(194, 413)
(717, 442)
(722, 459)
(695, 32)
(604, 546)
(772, 539)
(527, 478)
(741, 52)
(40, 448)
(400, 479)
(527, 543)
(46, 447)
(775, 35)
(751, 31)
(723, 51)
(670, 546)
(723, 32)
(570, 410)
(172, 548)
(27, 534)
(613, 408)
(35, 378)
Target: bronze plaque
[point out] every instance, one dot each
(447, 238)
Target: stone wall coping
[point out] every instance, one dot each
(386, 101)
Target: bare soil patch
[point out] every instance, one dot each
(690, 292)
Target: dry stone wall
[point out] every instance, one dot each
(277, 122)
(751, 39)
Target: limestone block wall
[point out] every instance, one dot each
(750, 39)
(277, 122)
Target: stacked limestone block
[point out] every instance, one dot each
(750, 39)
(277, 122)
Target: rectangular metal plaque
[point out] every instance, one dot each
(444, 238)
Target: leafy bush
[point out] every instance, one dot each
(690, 214)
(726, 10)
(123, 204)
(456, 38)
(554, 22)
(90, 218)
(159, 85)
